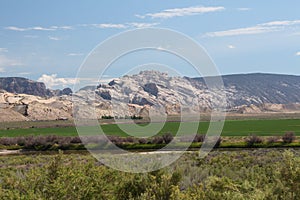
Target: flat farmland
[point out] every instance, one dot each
(261, 127)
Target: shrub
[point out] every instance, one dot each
(157, 140)
(199, 138)
(218, 142)
(115, 139)
(7, 141)
(136, 117)
(75, 140)
(167, 137)
(288, 137)
(253, 139)
(107, 117)
(129, 140)
(142, 141)
(271, 140)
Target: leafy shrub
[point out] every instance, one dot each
(129, 140)
(261, 174)
(253, 139)
(136, 117)
(142, 141)
(167, 137)
(199, 138)
(115, 139)
(75, 140)
(7, 141)
(271, 140)
(288, 137)
(157, 140)
(218, 142)
(107, 117)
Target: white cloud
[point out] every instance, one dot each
(3, 50)
(13, 28)
(122, 26)
(119, 26)
(38, 28)
(260, 28)
(231, 46)
(243, 9)
(179, 12)
(2, 70)
(142, 25)
(298, 53)
(24, 73)
(281, 23)
(52, 81)
(75, 54)
(54, 38)
(7, 62)
(242, 31)
(100, 25)
(62, 27)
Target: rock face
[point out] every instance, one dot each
(149, 92)
(65, 91)
(151, 88)
(245, 93)
(21, 85)
(22, 107)
(258, 88)
(24, 86)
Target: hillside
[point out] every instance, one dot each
(22, 85)
(150, 91)
(258, 88)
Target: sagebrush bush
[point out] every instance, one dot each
(253, 139)
(271, 140)
(199, 138)
(157, 140)
(261, 174)
(288, 137)
(142, 141)
(167, 137)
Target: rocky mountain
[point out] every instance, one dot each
(24, 107)
(149, 92)
(245, 93)
(21, 85)
(258, 88)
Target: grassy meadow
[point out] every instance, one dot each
(260, 127)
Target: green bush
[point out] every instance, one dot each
(288, 137)
(258, 174)
(253, 139)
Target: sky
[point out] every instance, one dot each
(49, 40)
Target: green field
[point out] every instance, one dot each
(231, 128)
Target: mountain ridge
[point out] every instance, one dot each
(153, 91)
(21, 85)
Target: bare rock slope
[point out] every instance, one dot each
(150, 92)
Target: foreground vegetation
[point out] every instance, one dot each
(262, 127)
(257, 174)
(54, 142)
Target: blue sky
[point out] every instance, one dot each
(48, 40)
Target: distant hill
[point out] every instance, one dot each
(258, 88)
(149, 91)
(25, 86)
